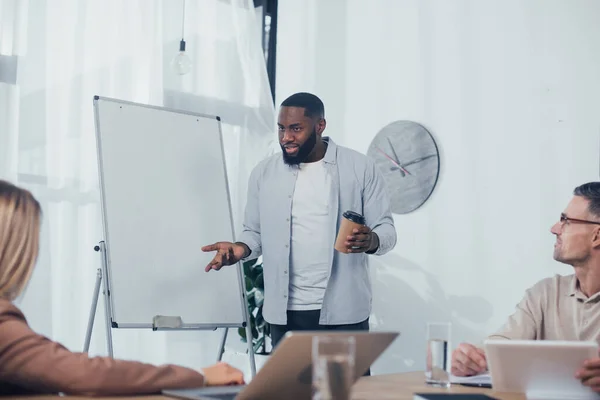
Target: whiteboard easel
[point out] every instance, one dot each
(156, 216)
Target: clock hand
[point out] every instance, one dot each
(393, 151)
(419, 159)
(394, 162)
(400, 165)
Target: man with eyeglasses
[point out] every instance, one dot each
(560, 307)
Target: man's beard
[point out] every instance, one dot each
(303, 151)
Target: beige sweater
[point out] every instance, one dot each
(32, 363)
(554, 309)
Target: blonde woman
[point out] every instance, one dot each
(33, 363)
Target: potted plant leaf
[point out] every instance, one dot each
(255, 287)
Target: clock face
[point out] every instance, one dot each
(408, 159)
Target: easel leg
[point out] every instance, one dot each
(250, 349)
(109, 345)
(107, 309)
(222, 345)
(90, 327)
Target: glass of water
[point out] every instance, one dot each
(332, 367)
(437, 368)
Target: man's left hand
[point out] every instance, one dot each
(363, 239)
(589, 374)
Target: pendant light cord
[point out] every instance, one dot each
(183, 21)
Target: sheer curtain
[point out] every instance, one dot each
(63, 52)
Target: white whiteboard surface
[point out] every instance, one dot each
(164, 195)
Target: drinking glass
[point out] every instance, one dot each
(437, 370)
(333, 367)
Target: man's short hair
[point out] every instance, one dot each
(591, 192)
(313, 106)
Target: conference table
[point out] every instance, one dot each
(378, 387)
(404, 386)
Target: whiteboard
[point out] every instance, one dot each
(164, 195)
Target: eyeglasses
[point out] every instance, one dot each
(564, 219)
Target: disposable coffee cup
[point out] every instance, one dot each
(350, 221)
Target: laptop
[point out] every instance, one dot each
(542, 369)
(287, 374)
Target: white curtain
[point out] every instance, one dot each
(55, 56)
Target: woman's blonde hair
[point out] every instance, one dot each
(20, 215)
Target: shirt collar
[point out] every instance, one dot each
(573, 286)
(331, 152)
(574, 291)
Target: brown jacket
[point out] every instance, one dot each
(32, 363)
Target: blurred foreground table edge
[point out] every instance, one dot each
(400, 386)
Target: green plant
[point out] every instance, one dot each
(255, 289)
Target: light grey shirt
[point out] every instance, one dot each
(554, 309)
(357, 185)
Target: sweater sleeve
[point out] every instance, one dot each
(376, 208)
(34, 362)
(250, 234)
(523, 324)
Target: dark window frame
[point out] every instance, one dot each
(269, 38)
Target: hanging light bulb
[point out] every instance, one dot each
(181, 64)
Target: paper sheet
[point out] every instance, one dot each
(476, 379)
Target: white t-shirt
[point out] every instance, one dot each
(311, 245)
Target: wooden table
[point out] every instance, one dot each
(378, 387)
(403, 387)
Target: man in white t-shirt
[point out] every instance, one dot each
(294, 208)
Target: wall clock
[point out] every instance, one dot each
(408, 159)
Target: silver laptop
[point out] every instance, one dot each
(287, 374)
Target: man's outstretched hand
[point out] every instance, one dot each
(227, 254)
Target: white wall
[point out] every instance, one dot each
(509, 89)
